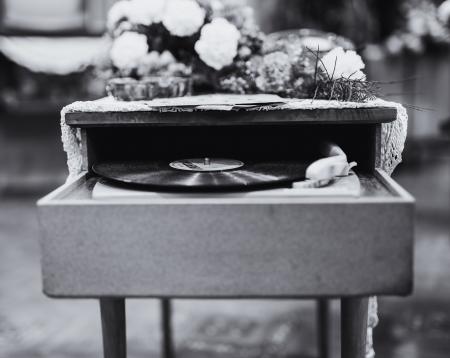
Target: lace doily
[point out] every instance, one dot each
(393, 141)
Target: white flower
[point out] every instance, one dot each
(394, 44)
(339, 63)
(128, 50)
(183, 17)
(154, 61)
(218, 43)
(142, 12)
(216, 6)
(146, 12)
(444, 12)
(148, 62)
(117, 12)
(417, 22)
(166, 58)
(414, 43)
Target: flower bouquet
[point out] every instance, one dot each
(215, 45)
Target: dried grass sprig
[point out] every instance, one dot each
(341, 89)
(346, 89)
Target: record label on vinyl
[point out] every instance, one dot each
(206, 164)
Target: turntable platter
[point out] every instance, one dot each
(203, 174)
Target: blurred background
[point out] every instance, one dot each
(47, 48)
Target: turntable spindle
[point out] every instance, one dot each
(207, 161)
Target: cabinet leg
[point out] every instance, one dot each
(112, 311)
(354, 327)
(324, 327)
(167, 348)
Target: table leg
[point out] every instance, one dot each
(113, 327)
(167, 348)
(324, 327)
(354, 313)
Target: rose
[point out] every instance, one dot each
(128, 50)
(183, 17)
(343, 64)
(218, 43)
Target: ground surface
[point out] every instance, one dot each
(32, 325)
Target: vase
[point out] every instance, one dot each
(148, 88)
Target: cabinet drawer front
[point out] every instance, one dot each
(209, 248)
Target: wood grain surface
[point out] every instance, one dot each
(224, 118)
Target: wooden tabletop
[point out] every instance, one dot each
(225, 109)
(194, 117)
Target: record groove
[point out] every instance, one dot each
(159, 175)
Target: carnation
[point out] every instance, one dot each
(146, 12)
(183, 17)
(128, 50)
(218, 43)
(339, 63)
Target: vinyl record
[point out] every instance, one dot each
(205, 174)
